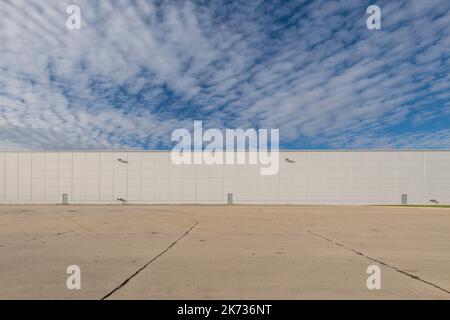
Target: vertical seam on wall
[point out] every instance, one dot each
(45, 176)
(153, 178)
(168, 195)
(209, 183)
(237, 177)
(71, 177)
(127, 165)
(85, 175)
(351, 180)
(223, 179)
(308, 178)
(396, 183)
(380, 192)
(31, 168)
(113, 176)
(424, 176)
(59, 192)
(278, 177)
(195, 166)
(182, 182)
(4, 176)
(99, 175)
(140, 176)
(17, 184)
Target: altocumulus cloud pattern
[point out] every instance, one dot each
(137, 70)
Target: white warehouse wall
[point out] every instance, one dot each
(310, 177)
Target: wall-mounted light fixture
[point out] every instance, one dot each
(124, 201)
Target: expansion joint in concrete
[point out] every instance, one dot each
(120, 286)
(414, 277)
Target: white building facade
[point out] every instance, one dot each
(150, 177)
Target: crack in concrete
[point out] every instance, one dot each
(74, 222)
(380, 262)
(120, 286)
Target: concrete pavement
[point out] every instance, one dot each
(224, 252)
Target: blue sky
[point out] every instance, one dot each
(137, 70)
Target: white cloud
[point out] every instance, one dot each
(138, 70)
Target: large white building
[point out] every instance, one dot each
(304, 177)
